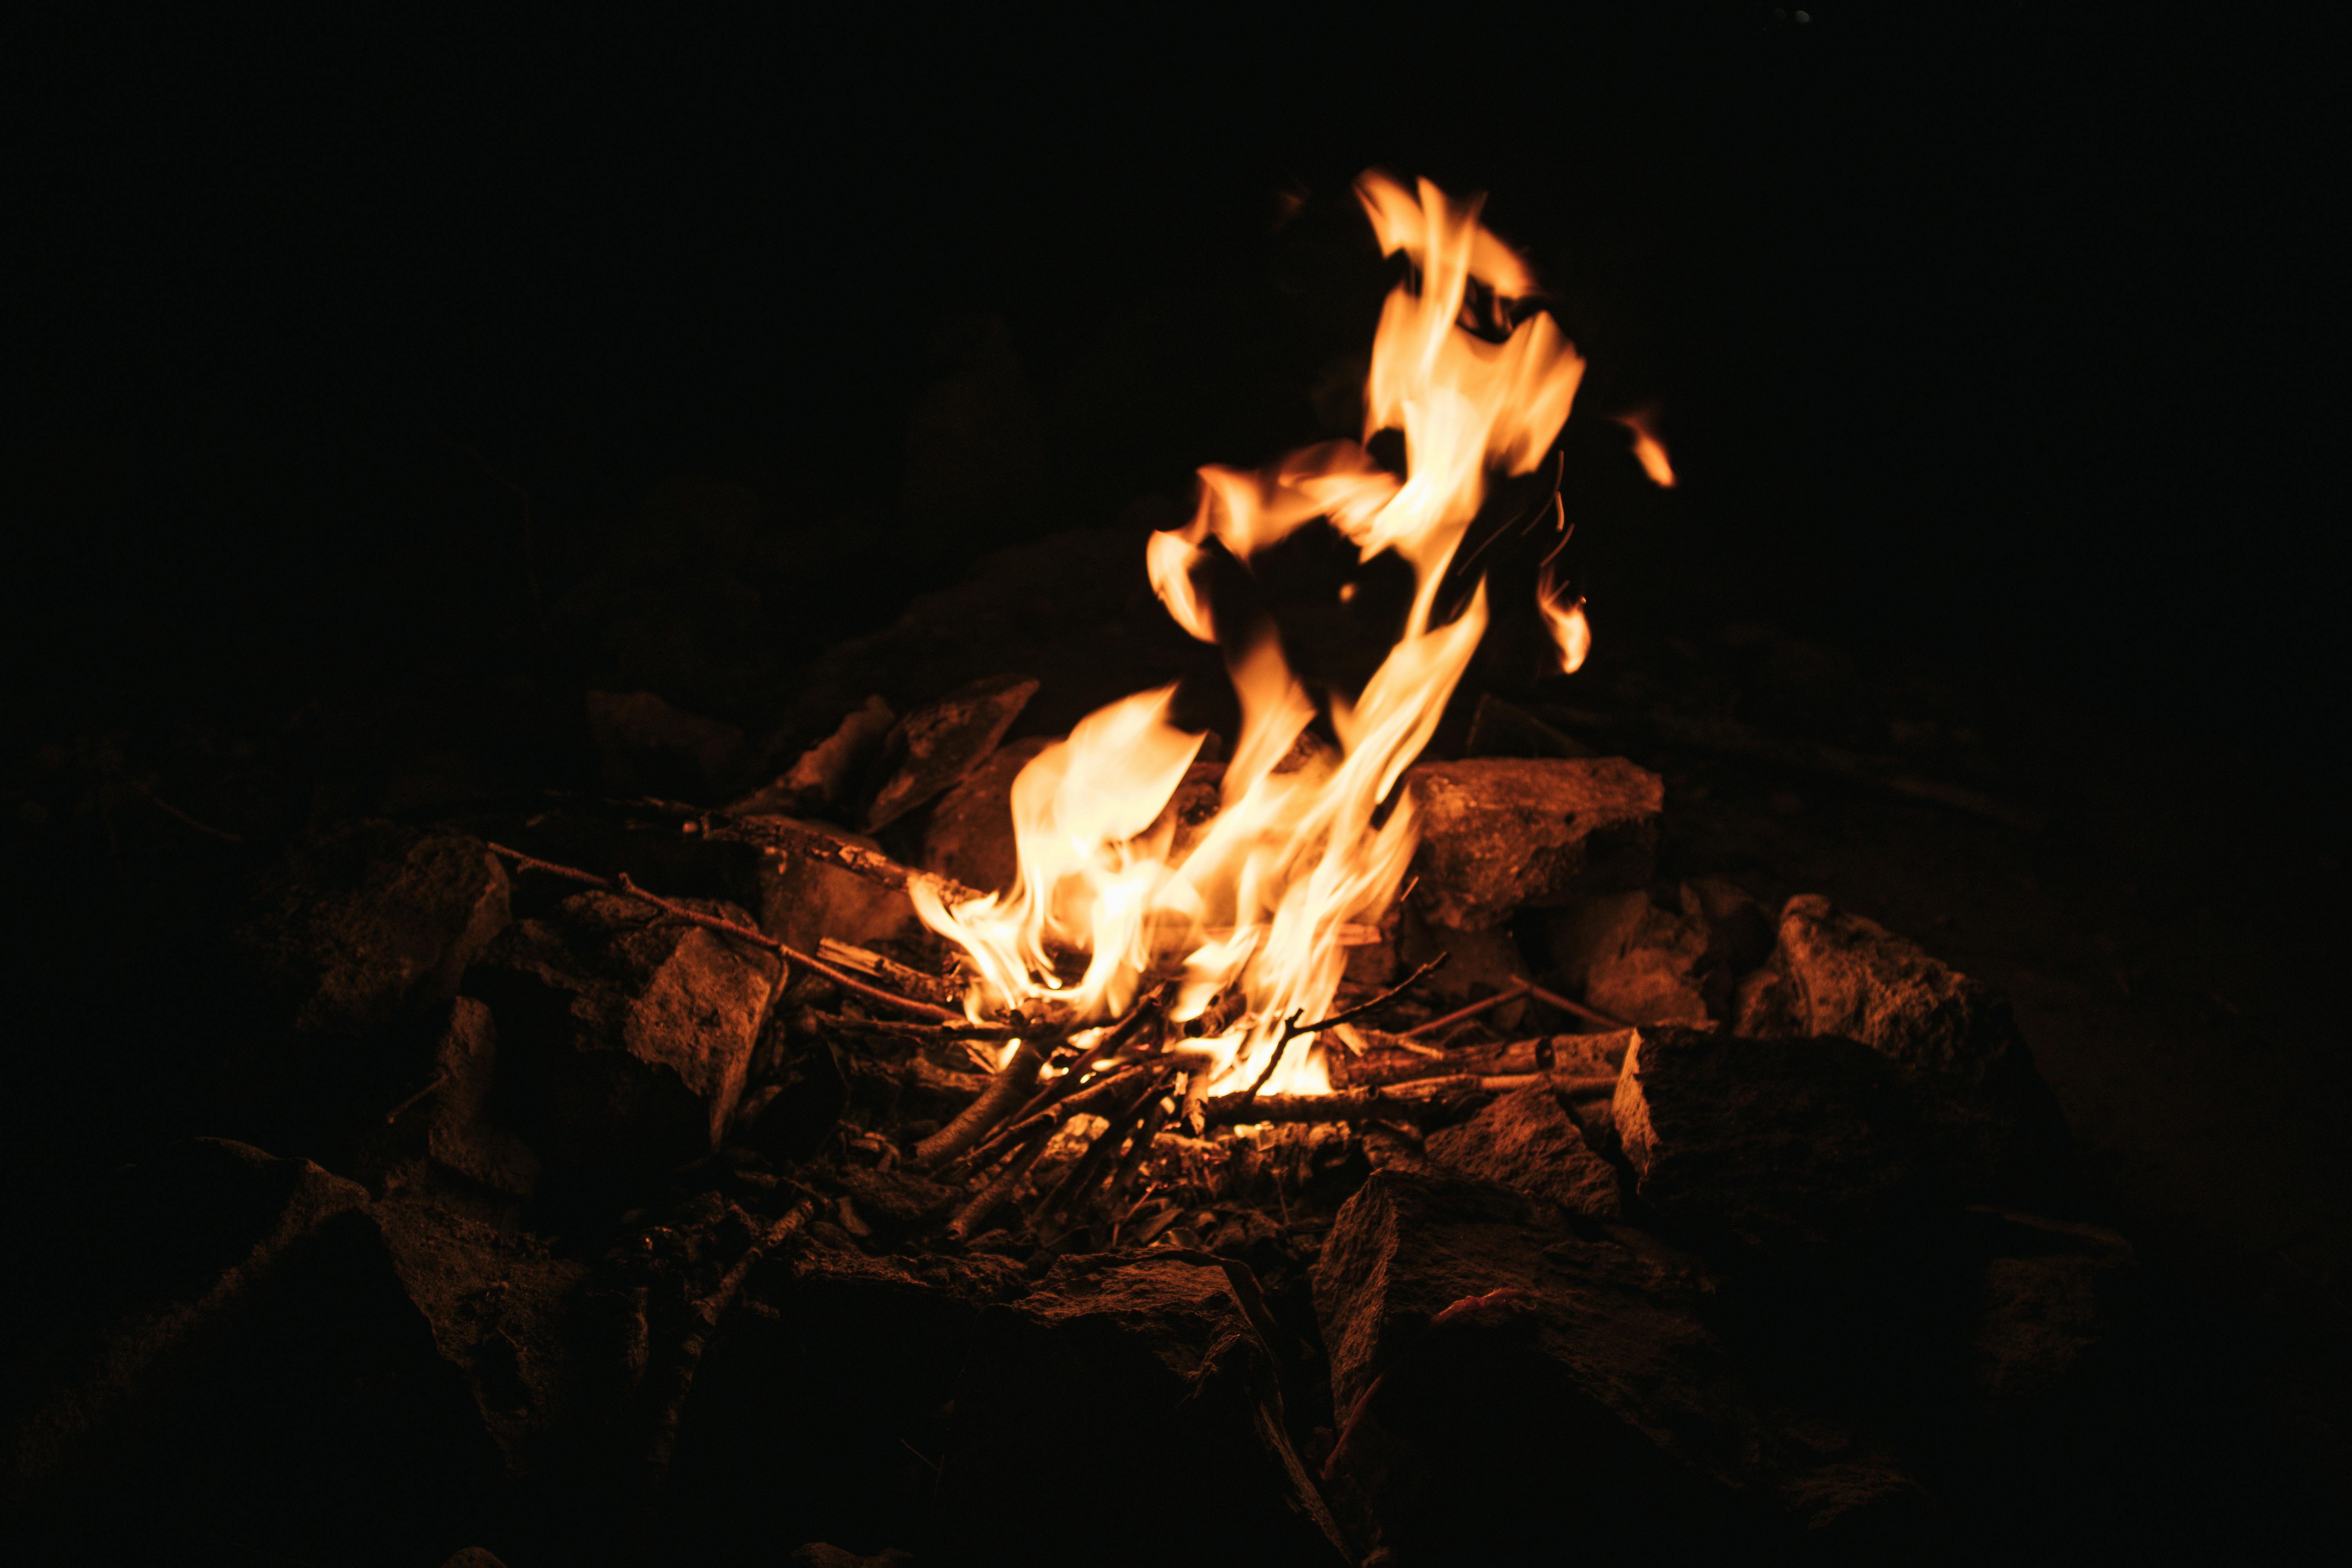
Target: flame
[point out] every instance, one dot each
(1647, 448)
(1307, 845)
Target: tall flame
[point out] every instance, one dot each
(1299, 846)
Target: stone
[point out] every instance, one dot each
(472, 1557)
(821, 779)
(369, 921)
(450, 1128)
(1138, 1368)
(1796, 1146)
(835, 1369)
(1525, 1142)
(899, 1199)
(1838, 974)
(625, 1033)
(937, 744)
(2050, 1300)
(1477, 964)
(1502, 834)
(1654, 960)
(1568, 1383)
(499, 1304)
(970, 836)
(230, 1354)
(804, 899)
(648, 747)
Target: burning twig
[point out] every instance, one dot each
(621, 884)
(1292, 1028)
(1006, 1090)
(1085, 1102)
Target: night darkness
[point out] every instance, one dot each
(374, 384)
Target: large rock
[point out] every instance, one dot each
(625, 1033)
(366, 923)
(971, 834)
(1795, 1146)
(937, 744)
(1141, 1371)
(1525, 1142)
(498, 1304)
(1502, 834)
(231, 1356)
(1504, 1388)
(1650, 960)
(2050, 1303)
(1837, 973)
(835, 1370)
(447, 1125)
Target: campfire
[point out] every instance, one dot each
(1127, 1141)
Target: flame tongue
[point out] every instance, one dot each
(1295, 853)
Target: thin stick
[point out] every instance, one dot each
(1292, 1028)
(967, 1218)
(1353, 1105)
(703, 1317)
(1511, 992)
(1576, 1009)
(740, 932)
(395, 1114)
(1360, 1008)
(1012, 1083)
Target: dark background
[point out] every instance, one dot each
(1999, 340)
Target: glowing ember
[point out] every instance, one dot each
(1260, 903)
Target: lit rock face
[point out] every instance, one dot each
(1837, 973)
(359, 926)
(1568, 1381)
(1525, 1142)
(1502, 834)
(625, 1033)
(1161, 1360)
(1787, 1146)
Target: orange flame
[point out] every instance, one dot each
(1648, 450)
(1298, 855)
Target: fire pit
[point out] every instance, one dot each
(1119, 1137)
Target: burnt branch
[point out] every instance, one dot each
(1013, 1081)
(712, 922)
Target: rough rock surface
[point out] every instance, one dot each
(970, 832)
(497, 1302)
(361, 924)
(1792, 1145)
(1136, 1368)
(1651, 959)
(625, 1033)
(937, 744)
(834, 1369)
(2050, 1300)
(1477, 964)
(448, 1125)
(803, 898)
(1837, 973)
(819, 779)
(1525, 1142)
(1568, 1383)
(1502, 834)
(244, 1365)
